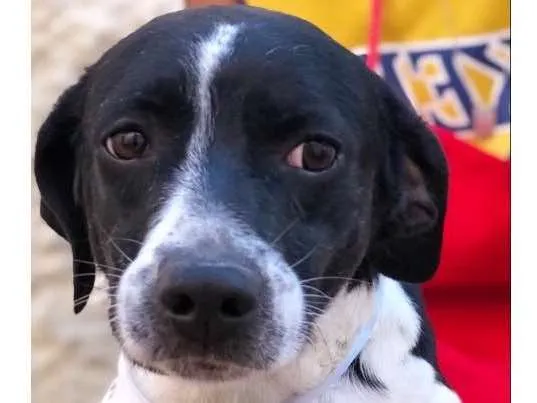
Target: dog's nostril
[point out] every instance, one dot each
(223, 299)
(236, 307)
(179, 304)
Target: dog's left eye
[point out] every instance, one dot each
(314, 156)
(126, 145)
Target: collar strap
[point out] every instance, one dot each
(359, 343)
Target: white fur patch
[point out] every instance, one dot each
(209, 55)
(387, 356)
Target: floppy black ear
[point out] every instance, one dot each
(55, 172)
(411, 192)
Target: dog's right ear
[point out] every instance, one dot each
(55, 171)
(412, 186)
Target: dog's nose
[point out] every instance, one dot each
(206, 302)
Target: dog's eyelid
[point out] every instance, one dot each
(319, 136)
(123, 126)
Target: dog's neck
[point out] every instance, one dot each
(339, 336)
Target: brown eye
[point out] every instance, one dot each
(126, 145)
(312, 156)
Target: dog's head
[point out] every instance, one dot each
(229, 170)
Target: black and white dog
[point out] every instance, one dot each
(261, 205)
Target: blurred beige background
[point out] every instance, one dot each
(73, 357)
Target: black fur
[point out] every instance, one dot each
(380, 209)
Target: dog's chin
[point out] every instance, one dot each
(193, 368)
(200, 369)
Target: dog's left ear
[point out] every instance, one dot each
(55, 171)
(410, 195)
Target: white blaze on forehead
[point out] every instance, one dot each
(210, 53)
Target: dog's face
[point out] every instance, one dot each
(230, 170)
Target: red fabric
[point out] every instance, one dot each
(373, 41)
(468, 300)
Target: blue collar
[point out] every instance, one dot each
(359, 343)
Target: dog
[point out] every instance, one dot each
(263, 207)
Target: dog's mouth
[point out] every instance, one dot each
(195, 368)
(206, 320)
(157, 347)
(210, 370)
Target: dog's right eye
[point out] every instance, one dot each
(126, 145)
(313, 156)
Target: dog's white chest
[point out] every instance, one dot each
(122, 391)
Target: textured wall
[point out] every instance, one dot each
(73, 357)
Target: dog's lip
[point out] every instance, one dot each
(146, 367)
(201, 366)
(208, 365)
(205, 369)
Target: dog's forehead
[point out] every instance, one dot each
(237, 56)
(260, 29)
(171, 44)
